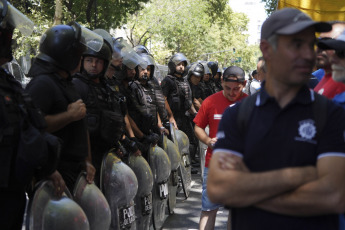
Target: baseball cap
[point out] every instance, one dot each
(289, 21)
(333, 44)
(234, 74)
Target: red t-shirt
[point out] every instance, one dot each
(328, 87)
(210, 113)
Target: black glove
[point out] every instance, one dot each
(130, 145)
(153, 138)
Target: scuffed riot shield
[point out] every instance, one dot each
(174, 155)
(46, 211)
(161, 167)
(202, 154)
(143, 199)
(182, 141)
(93, 203)
(119, 186)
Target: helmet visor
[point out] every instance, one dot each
(132, 59)
(18, 20)
(91, 39)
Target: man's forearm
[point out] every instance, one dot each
(322, 196)
(240, 189)
(58, 121)
(201, 135)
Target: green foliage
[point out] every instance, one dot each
(270, 6)
(109, 14)
(191, 27)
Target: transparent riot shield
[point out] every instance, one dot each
(47, 212)
(161, 168)
(93, 203)
(174, 155)
(143, 198)
(182, 141)
(119, 186)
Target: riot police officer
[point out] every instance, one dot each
(195, 73)
(52, 90)
(215, 80)
(179, 96)
(148, 119)
(163, 105)
(207, 82)
(19, 120)
(105, 119)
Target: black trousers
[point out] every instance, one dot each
(12, 207)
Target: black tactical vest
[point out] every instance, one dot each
(105, 119)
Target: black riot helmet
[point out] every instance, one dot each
(196, 69)
(141, 49)
(206, 68)
(148, 59)
(213, 66)
(11, 18)
(63, 45)
(175, 60)
(105, 53)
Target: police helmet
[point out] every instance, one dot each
(148, 58)
(206, 68)
(213, 66)
(196, 69)
(175, 60)
(141, 49)
(61, 45)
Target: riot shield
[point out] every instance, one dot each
(182, 141)
(174, 155)
(143, 199)
(47, 212)
(119, 186)
(161, 168)
(93, 203)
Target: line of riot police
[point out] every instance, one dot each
(106, 153)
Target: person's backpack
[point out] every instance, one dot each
(248, 104)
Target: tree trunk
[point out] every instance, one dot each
(58, 12)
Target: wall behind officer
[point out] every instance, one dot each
(52, 91)
(210, 114)
(105, 118)
(12, 188)
(179, 96)
(280, 174)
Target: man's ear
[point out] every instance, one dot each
(266, 49)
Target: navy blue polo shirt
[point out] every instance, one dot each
(277, 138)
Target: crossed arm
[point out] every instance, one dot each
(301, 191)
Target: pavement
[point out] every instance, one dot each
(187, 212)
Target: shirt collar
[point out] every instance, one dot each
(304, 96)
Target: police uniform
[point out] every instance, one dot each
(281, 138)
(52, 94)
(179, 97)
(100, 102)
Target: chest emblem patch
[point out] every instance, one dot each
(307, 131)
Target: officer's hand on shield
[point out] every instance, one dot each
(77, 110)
(164, 131)
(172, 121)
(90, 172)
(58, 182)
(153, 138)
